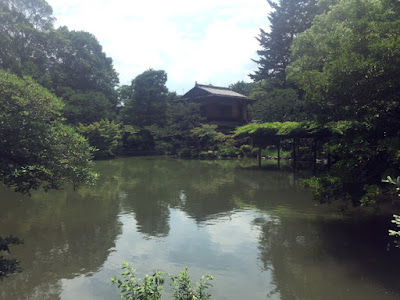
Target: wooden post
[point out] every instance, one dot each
(329, 161)
(294, 155)
(315, 157)
(259, 157)
(279, 153)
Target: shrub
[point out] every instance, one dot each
(105, 135)
(151, 286)
(227, 151)
(325, 188)
(246, 150)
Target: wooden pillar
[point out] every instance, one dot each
(294, 155)
(315, 157)
(279, 153)
(329, 161)
(259, 157)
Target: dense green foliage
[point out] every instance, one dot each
(275, 105)
(348, 65)
(348, 62)
(277, 99)
(151, 286)
(105, 135)
(69, 63)
(342, 63)
(146, 99)
(288, 18)
(242, 87)
(36, 149)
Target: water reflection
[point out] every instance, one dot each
(257, 231)
(65, 233)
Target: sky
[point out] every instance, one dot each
(208, 41)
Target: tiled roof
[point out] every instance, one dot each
(220, 91)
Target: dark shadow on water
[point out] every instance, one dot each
(341, 259)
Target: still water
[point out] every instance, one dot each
(258, 232)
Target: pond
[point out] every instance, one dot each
(257, 231)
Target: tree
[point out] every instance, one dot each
(276, 105)
(24, 25)
(36, 149)
(65, 62)
(105, 135)
(242, 87)
(279, 100)
(289, 18)
(348, 64)
(147, 102)
(348, 61)
(175, 135)
(86, 107)
(81, 64)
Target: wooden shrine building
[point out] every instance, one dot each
(220, 106)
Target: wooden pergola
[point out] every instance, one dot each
(273, 133)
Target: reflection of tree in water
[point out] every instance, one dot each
(203, 189)
(318, 258)
(64, 237)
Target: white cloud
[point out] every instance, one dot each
(206, 41)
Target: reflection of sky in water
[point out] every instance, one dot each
(257, 231)
(225, 248)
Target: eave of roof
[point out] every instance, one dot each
(215, 91)
(205, 97)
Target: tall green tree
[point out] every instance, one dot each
(278, 99)
(275, 105)
(146, 99)
(71, 64)
(348, 63)
(288, 18)
(81, 64)
(23, 30)
(242, 87)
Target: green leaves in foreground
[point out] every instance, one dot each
(150, 287)
(395, 233)
(396, 219)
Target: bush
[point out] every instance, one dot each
(207, 155)
(227, 151)
(151, 287)
(246, 150)
(372, 195)
(325, 188)
(105, 135)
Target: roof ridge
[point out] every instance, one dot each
(213, 86)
